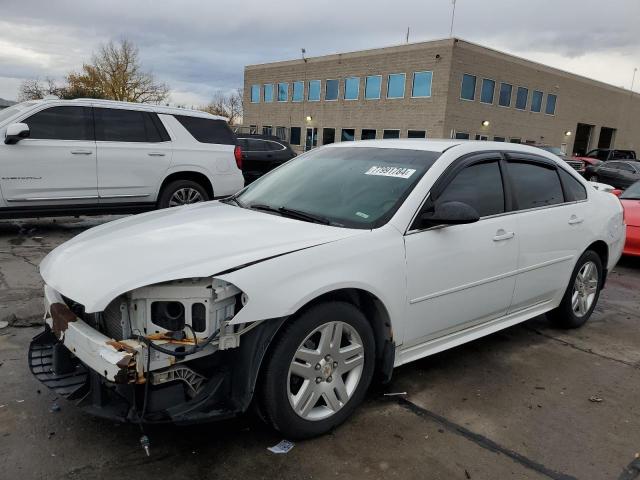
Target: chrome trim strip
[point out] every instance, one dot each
(126, 195)
(491, 279)
(44, 199)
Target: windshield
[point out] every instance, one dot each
(356, 187)
(6, 113)
(632, 193)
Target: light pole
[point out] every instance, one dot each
(633, 79)
(453, 16)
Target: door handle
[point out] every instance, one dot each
(574, 220)
(156, 154)
(503, 235)
(81, 152)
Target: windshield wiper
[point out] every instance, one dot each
(291, 213)
(233, 199)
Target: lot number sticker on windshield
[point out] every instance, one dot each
(396, 172)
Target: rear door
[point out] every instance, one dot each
(134, 152)
(56, 165)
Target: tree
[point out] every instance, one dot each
(34, 89)
(228, 105)
(115, 73)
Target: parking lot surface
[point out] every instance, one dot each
(528, 402)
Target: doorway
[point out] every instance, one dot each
(606, 138)
(583, 139)
(311, 140)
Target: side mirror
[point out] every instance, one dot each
(450, 213)
(16, 132)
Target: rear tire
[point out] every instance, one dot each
(182, 192)
(582, 293)
(318, 371)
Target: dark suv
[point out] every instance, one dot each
(261, 154)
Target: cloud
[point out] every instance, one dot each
(200, 47)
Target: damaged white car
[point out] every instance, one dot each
(336, 267)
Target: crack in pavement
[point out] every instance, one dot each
(584, 350)
(482, 441)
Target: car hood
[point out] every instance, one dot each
(184, 242)
(631, 212)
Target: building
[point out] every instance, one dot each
(439, 89)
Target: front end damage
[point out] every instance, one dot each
(162, 353)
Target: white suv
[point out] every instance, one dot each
(98, 156)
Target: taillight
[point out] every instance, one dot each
(237, 152)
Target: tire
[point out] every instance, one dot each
(193, 192)
(338, 381)
(572, 314)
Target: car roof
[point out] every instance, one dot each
(135, 106)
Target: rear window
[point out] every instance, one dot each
(573, 189)
(535, 185)
(117, 125)
(207, 130)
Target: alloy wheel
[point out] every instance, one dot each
(585, 288)
(325, 371)
(185, 196)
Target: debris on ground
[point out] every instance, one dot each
(51, 434)
(393, 394)
(2, 406)
(19, 401)
(145, 443)
(283, 447)
(54, 407)
(13, 320)
(4, 324)
(467, 474)
(595, 399)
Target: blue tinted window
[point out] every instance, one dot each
(351, 88)
(421, 84)
(268, 92)
(298, 92)
(488, 87)
(372, 87)
(283, 92)
(505, 95)
(521, 98)
(255, 93)
(468, 88)
(536, 101)
(331, 90)
(551, 104)
(395, 85)
(314, 91)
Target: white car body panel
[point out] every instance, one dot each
(433, 302)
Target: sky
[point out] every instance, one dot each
(201, 47)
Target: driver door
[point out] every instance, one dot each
(462, 275)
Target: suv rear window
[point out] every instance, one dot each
(206, 130)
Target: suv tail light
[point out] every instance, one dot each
(237, 152)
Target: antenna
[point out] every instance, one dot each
(408, 29)
(303, 50)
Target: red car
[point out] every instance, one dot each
(630, 199)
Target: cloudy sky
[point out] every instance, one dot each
(199, 47)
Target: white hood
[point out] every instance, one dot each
(184, 242)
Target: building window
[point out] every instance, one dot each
(488, 89)
(331, 90)
(515, 140)
(504, 100)
(298, 92)
(550, 109)
(328, 136)
(499, 139)
(536, 101)
(421, 84)
(417, 134)
(267, 130)
(314, 91)
(481, 137)
(253, 129)
(283, 92)
(348, 135)
(372, 86)
(391, 134)
(461, 136)
(255, 93)
(281, 133)
(268, 92)
(368, 134)
(522, 95)
(468, 87)
(395, 85)
(351, 88)
(294, 139)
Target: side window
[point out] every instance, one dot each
(573, 189)
(207, 130)
(478, 185)
(115, 125)
(61, 123)
(535, 185)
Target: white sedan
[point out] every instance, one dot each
(342, 264)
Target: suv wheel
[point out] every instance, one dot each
(582, 293)
(182, 192)
(319, 370)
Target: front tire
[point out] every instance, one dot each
(582, 294)
(182, 192)
(319, 370)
